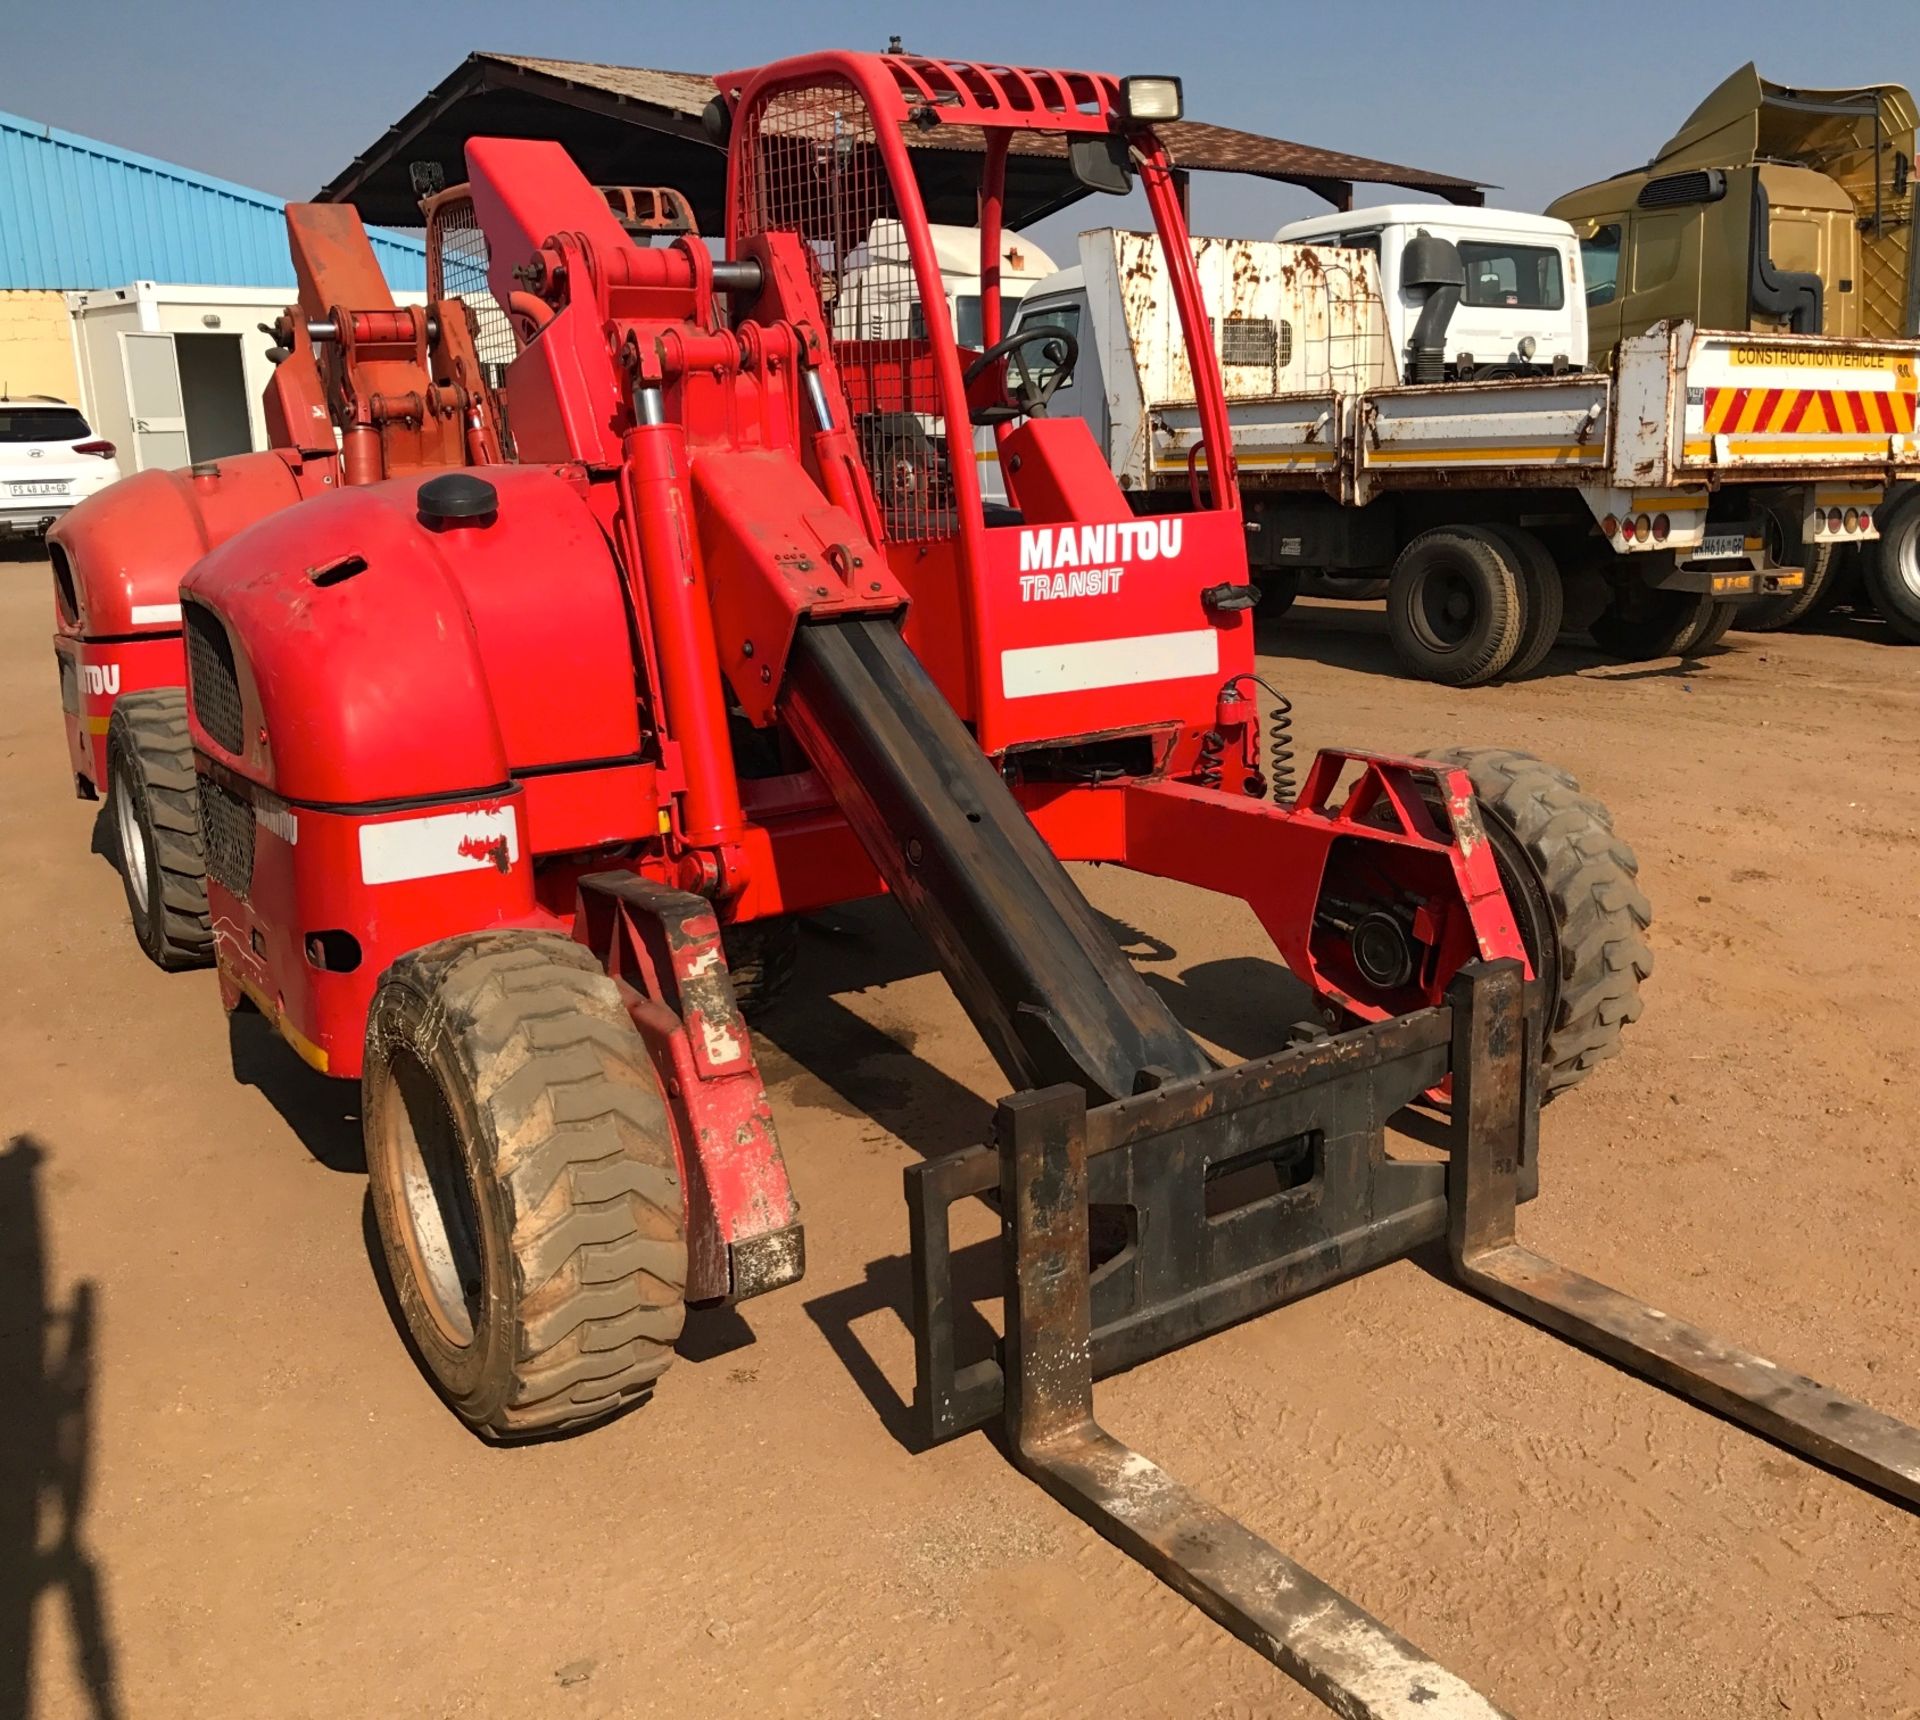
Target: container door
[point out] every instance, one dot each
(153, 398)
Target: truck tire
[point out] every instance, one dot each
(156, 826)
(1891, 568)
(761, 958)
(1454, 606)
(1278, 587)
(1642, 622)
(1770, 614)
(524, 1182)
(1543, 599)
(1574, 887)
(1710, 631)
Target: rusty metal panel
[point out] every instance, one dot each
(1542, 431)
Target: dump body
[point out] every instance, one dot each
(1684, 424)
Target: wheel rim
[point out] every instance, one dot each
(434, 1196)
(1533, 914)
(1903, 553)
(133, 843)
(1446, 610)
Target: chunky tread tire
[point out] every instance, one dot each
(1710, 631)
(1891, 568)
(762, 956)
(1770, 614)
(1543, 599)
(153, 801)
(1485, 567)
(551, 1121)
(1587, 879)
(1651, 623)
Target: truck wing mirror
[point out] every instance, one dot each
(1100, 163)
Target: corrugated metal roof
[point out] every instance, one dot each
(77, 213)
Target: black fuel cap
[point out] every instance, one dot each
(456, 496)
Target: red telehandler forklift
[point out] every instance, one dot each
(488, 759)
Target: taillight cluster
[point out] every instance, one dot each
(1854, 520)
(102, 450)
(1638, 528)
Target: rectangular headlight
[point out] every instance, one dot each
(1149, 101)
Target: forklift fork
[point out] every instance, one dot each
(1052, 1156)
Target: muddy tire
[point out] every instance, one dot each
(1574, 886)
(762, 956)
(1891, 568)
(1641, 622)
(1454, 607)
(155, 814)
(523, 1179)
(1543, 599)
(1770, 614)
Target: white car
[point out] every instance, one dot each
(49, 459)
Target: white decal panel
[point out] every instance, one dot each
(148, 614)
(438, 845)
(1087, 665)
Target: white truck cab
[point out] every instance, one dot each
(878, 300)
(1522, 306)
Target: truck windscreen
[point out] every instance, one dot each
(1526, 277)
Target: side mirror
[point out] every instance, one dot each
(1100, 163)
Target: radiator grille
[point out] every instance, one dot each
(226, 826)
(212, 680)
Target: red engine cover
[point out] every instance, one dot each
(379, 659)
(119, 556)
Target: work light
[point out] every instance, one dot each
(1147, 101)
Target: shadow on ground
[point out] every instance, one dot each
(46, 1451)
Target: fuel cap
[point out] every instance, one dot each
(457, 496)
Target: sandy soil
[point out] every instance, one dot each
(272, 1514)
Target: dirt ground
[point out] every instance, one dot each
(226, 1490)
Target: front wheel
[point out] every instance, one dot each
(524, 1181)
(1575, 891)
(156, 827)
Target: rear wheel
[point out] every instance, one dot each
(1892, 568)
(1543, 599)
(1278, 588)
(1710, 630)
(524, 1181)
(1642, 622)
(1454, 607)
(1574, 888)
(156, 826)
(1770, 614)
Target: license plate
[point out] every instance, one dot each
(1723, 546)
(44, 487)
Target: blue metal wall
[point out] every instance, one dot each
(76, 213)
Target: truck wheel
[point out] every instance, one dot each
(1574, 887)
(1770, 614)
(1278, 588)
(1453, 607)
(1709, 632)
(761, 958)
(1891, 569)
(524, 1181)
(1641, 622)
(1543, 599)
(156, 826)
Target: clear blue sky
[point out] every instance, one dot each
(1534, 96)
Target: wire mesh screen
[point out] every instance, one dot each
(816, 172)
(457, 269)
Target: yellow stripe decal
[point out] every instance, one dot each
(1577, 451)
(97, 725)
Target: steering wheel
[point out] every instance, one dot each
(1031, 397)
